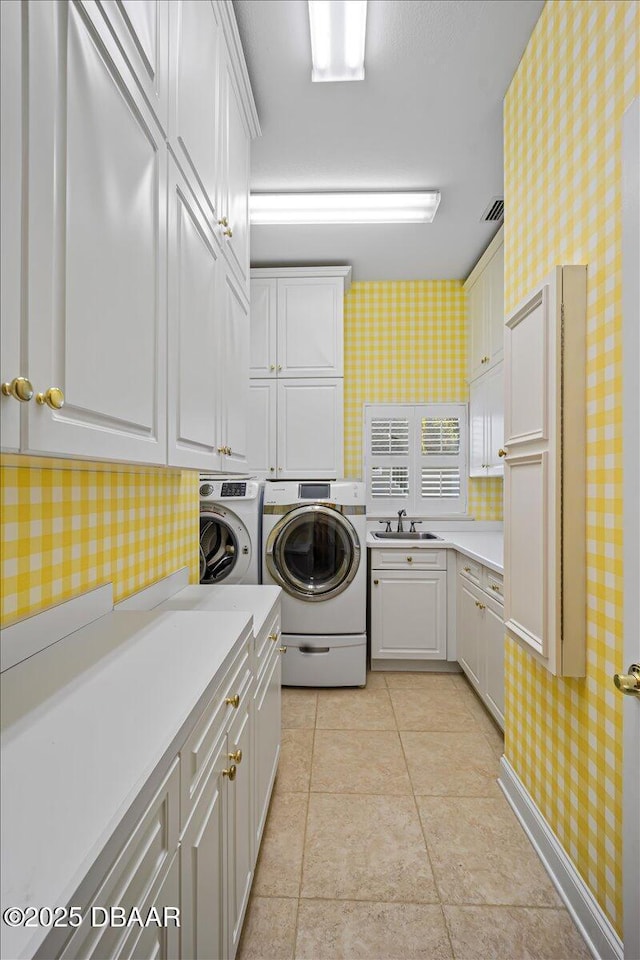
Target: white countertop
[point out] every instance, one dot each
(487, 547)
(259, 600)
(85, 723)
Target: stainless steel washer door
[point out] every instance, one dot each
(219, 551)
(313, 552)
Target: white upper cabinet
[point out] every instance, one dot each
(141, 28)
(97, 246)
(263, 327)
(310, 429)
(194, 123)
(232, 374)
(11, 187)
(545, 495)
(262, 425)
(195, 314)
(485, 293)
(234, 168)
(310, 327)
(486, 424)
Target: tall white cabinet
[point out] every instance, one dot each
(125, 133)
(295, 424)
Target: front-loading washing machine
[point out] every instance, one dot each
(314, 537)
(230, 530)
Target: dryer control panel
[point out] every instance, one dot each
(234, 489)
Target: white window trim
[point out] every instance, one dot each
(415, 505)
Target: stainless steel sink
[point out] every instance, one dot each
(393, 535)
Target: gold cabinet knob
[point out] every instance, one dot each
(480, 606)
(272, 366)
(272, 469)
(231, 772)
(494, 586)
(629, 683)
(376, 582)
(233, 701)
(273, 636)
(236, 756)
(53, 397)
(221, 449)
(282, 649)
(224, 222)
(20, 389)
(502, 452)
(467, 569)
(228, 232)
(279, 366)
(409, 559)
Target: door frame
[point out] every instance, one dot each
(631, 522)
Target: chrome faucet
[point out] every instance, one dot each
(401, 514)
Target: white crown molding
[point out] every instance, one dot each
(338, 271)
(239, 65)
(497, 241)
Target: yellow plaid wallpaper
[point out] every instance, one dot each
(406, 342)
(68, 527)
(563, 115)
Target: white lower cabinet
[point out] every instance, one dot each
(480, 633)
(408, 606)
(267, 705)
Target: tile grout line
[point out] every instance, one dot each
(304, 836)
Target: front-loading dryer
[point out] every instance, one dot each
(230, 530)
(314, 537)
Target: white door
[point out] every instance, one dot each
(477, 309)
(310, 326)
(234, 202)
(263, 355)
(631, 525)
(310, 415)
(11, 189)
(194, 360)
(261, 429)
(408, 615)
(240, 823)
(469, 639)
(267, 719)
(196, 45)
(203, 867)
(233, 375)
(142, 27)
(477, 427)
(495, 306)
(493, 636)
(494, 420)
(97, 246)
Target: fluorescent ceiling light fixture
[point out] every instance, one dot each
(337, 39)
(404, 207)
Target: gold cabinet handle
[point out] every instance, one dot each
(501, 452)
(233, 701)
(228, 232)
(53, 397)
(279, 366)
(467, 569)
(376, 582)
(480, 606)
(272, 469)
(221, 449)
(236, 756)
(273, 636)
(494, 586)
(272, 366)
(231, 772)
(224, 222)
(282, 649)
(629, 683)
(228, 451)
(409, 559)
(20, 389)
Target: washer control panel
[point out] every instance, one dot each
(233, 489)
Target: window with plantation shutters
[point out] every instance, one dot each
(415, 459)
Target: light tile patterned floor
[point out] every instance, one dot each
(388, 836)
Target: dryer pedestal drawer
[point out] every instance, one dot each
(324, 661)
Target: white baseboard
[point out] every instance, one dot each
(600, 937)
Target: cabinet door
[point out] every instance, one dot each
(409, 615)
(240, 822)
(469, 634)
(142, 29)
(267, 721)
(477, 428)
(194, 314)
(11, 187)
(263, 357)
(494, 635)
(310, 327)
(97, 246)
(234, 374)
(158, 942)
(310, 429)
(234, 168)
(261, 428)
(477, 310)
(495, 306)
(195, 52)
(203, 855)
(494, 420)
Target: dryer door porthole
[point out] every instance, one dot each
(313, 553)
(225, 549)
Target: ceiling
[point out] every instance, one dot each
(427, 115)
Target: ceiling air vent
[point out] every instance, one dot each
(494, 211)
